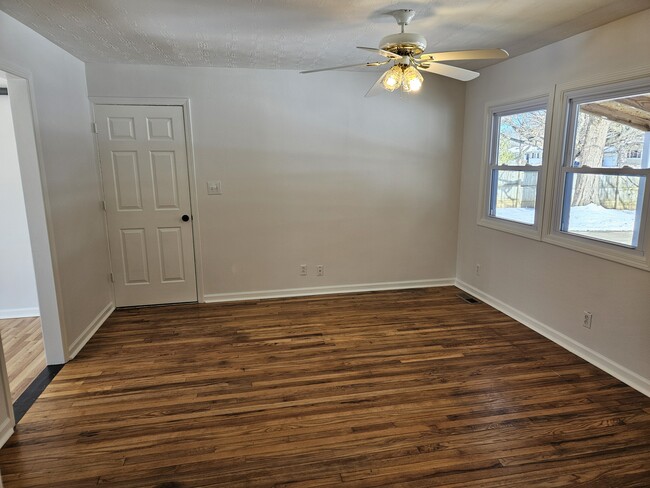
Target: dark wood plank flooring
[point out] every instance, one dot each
(398, 389)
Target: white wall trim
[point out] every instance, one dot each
(325, 290)
(618, 371)
(6, 410)
(87, 334)
(6, 431)
(16, 313)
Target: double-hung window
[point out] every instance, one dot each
(515, 170)
(601, 197)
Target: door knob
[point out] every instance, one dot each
(185, 218)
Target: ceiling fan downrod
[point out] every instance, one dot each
(404, 43)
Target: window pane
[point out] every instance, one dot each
(513, 195)
(603, 207)
(613, 133)
(520, 139)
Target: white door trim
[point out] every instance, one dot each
(191, 168)
(7, 422)
(39, 216)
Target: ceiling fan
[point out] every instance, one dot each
(406, 53)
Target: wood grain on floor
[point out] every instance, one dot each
(412, 388)
(22, 342)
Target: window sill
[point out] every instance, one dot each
(511, 227)
(635, 258)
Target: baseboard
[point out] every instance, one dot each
(6, 431)
(325, 290)
(16, 313)
(85, 336)
(618, 371)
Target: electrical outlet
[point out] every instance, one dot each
(320, 270)
(303, 270)
(478, 270)
(586, 320)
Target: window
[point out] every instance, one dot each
(606, 167)
(597, 200)
(515, 164)
(601, 155)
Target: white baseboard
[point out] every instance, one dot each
(85, 336)
(325, 290)
(16, 313)
(618, 371)
(6, 430)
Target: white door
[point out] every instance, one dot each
(143, 161)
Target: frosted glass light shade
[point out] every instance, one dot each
(412, 80)
(392, 78)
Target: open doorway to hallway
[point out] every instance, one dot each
(20, 324)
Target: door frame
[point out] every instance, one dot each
(185, 105)
(39, 217)
(39, 223)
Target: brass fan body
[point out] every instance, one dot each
(404, 44)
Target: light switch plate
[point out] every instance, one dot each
(214, 187)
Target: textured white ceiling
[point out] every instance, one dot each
(298, 34)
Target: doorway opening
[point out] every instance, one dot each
(20, 322)
(30, 327)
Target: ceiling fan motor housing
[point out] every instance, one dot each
(404, 44)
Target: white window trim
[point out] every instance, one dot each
(490, 136)
(561, 146)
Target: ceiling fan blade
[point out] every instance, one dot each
(465, 55)
(450, 71)
(377, 88)
(381, 52)
(363, 65)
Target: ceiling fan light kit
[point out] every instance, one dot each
(403, 76)
(405, 51)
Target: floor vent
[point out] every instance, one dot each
(466, 297)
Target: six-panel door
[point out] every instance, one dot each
(143, 160)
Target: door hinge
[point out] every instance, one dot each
(110, 277)
(93, 128)
(104, 205)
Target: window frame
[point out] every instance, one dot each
(568, 98)
(490, 165)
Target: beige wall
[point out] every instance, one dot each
(62, 111)
(551, 285)
(313, 173)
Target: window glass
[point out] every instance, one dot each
(611, 214)
(521, 138)
(514, 195)
(612, 133)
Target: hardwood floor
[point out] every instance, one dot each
(408, 388)
(22, 341)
